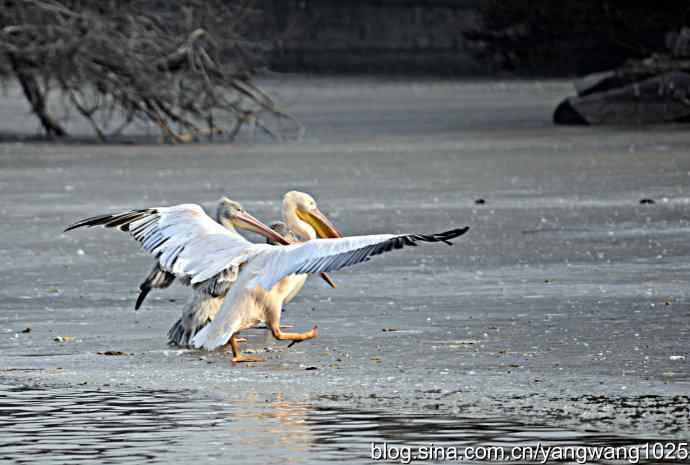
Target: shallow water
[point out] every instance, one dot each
(70, 425)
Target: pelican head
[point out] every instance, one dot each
(282, 229)
(232, 215)
(303, 217)
(227, 211)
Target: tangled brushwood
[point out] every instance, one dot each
(184, 66)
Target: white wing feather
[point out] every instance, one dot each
(323, 255)
(291, 259)
(184, 240)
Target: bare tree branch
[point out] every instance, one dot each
(174, 64)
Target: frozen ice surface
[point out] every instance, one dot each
(566, 305)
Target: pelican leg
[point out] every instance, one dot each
(228, 346)
(295, 337)
(237, 356)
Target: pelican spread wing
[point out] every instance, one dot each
(185, 241)
(314, 256)
(323, 255)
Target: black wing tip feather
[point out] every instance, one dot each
(444, 237)
(452, 234)
(157, 279)
(144, 291)
(115, 220)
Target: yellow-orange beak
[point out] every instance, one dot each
(322, 225)
(246, 221)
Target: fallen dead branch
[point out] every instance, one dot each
(186, 67)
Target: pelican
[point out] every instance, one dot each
(296, 207)
(228, 214)
(200, 252)
(202, 308)
(206, 298)
(203, 305)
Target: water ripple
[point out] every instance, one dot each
(125, 426)
(96, 426)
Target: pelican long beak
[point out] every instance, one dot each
(246, 221)
(322, 225)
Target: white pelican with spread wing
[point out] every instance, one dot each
(204, 302)
(200, 252)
